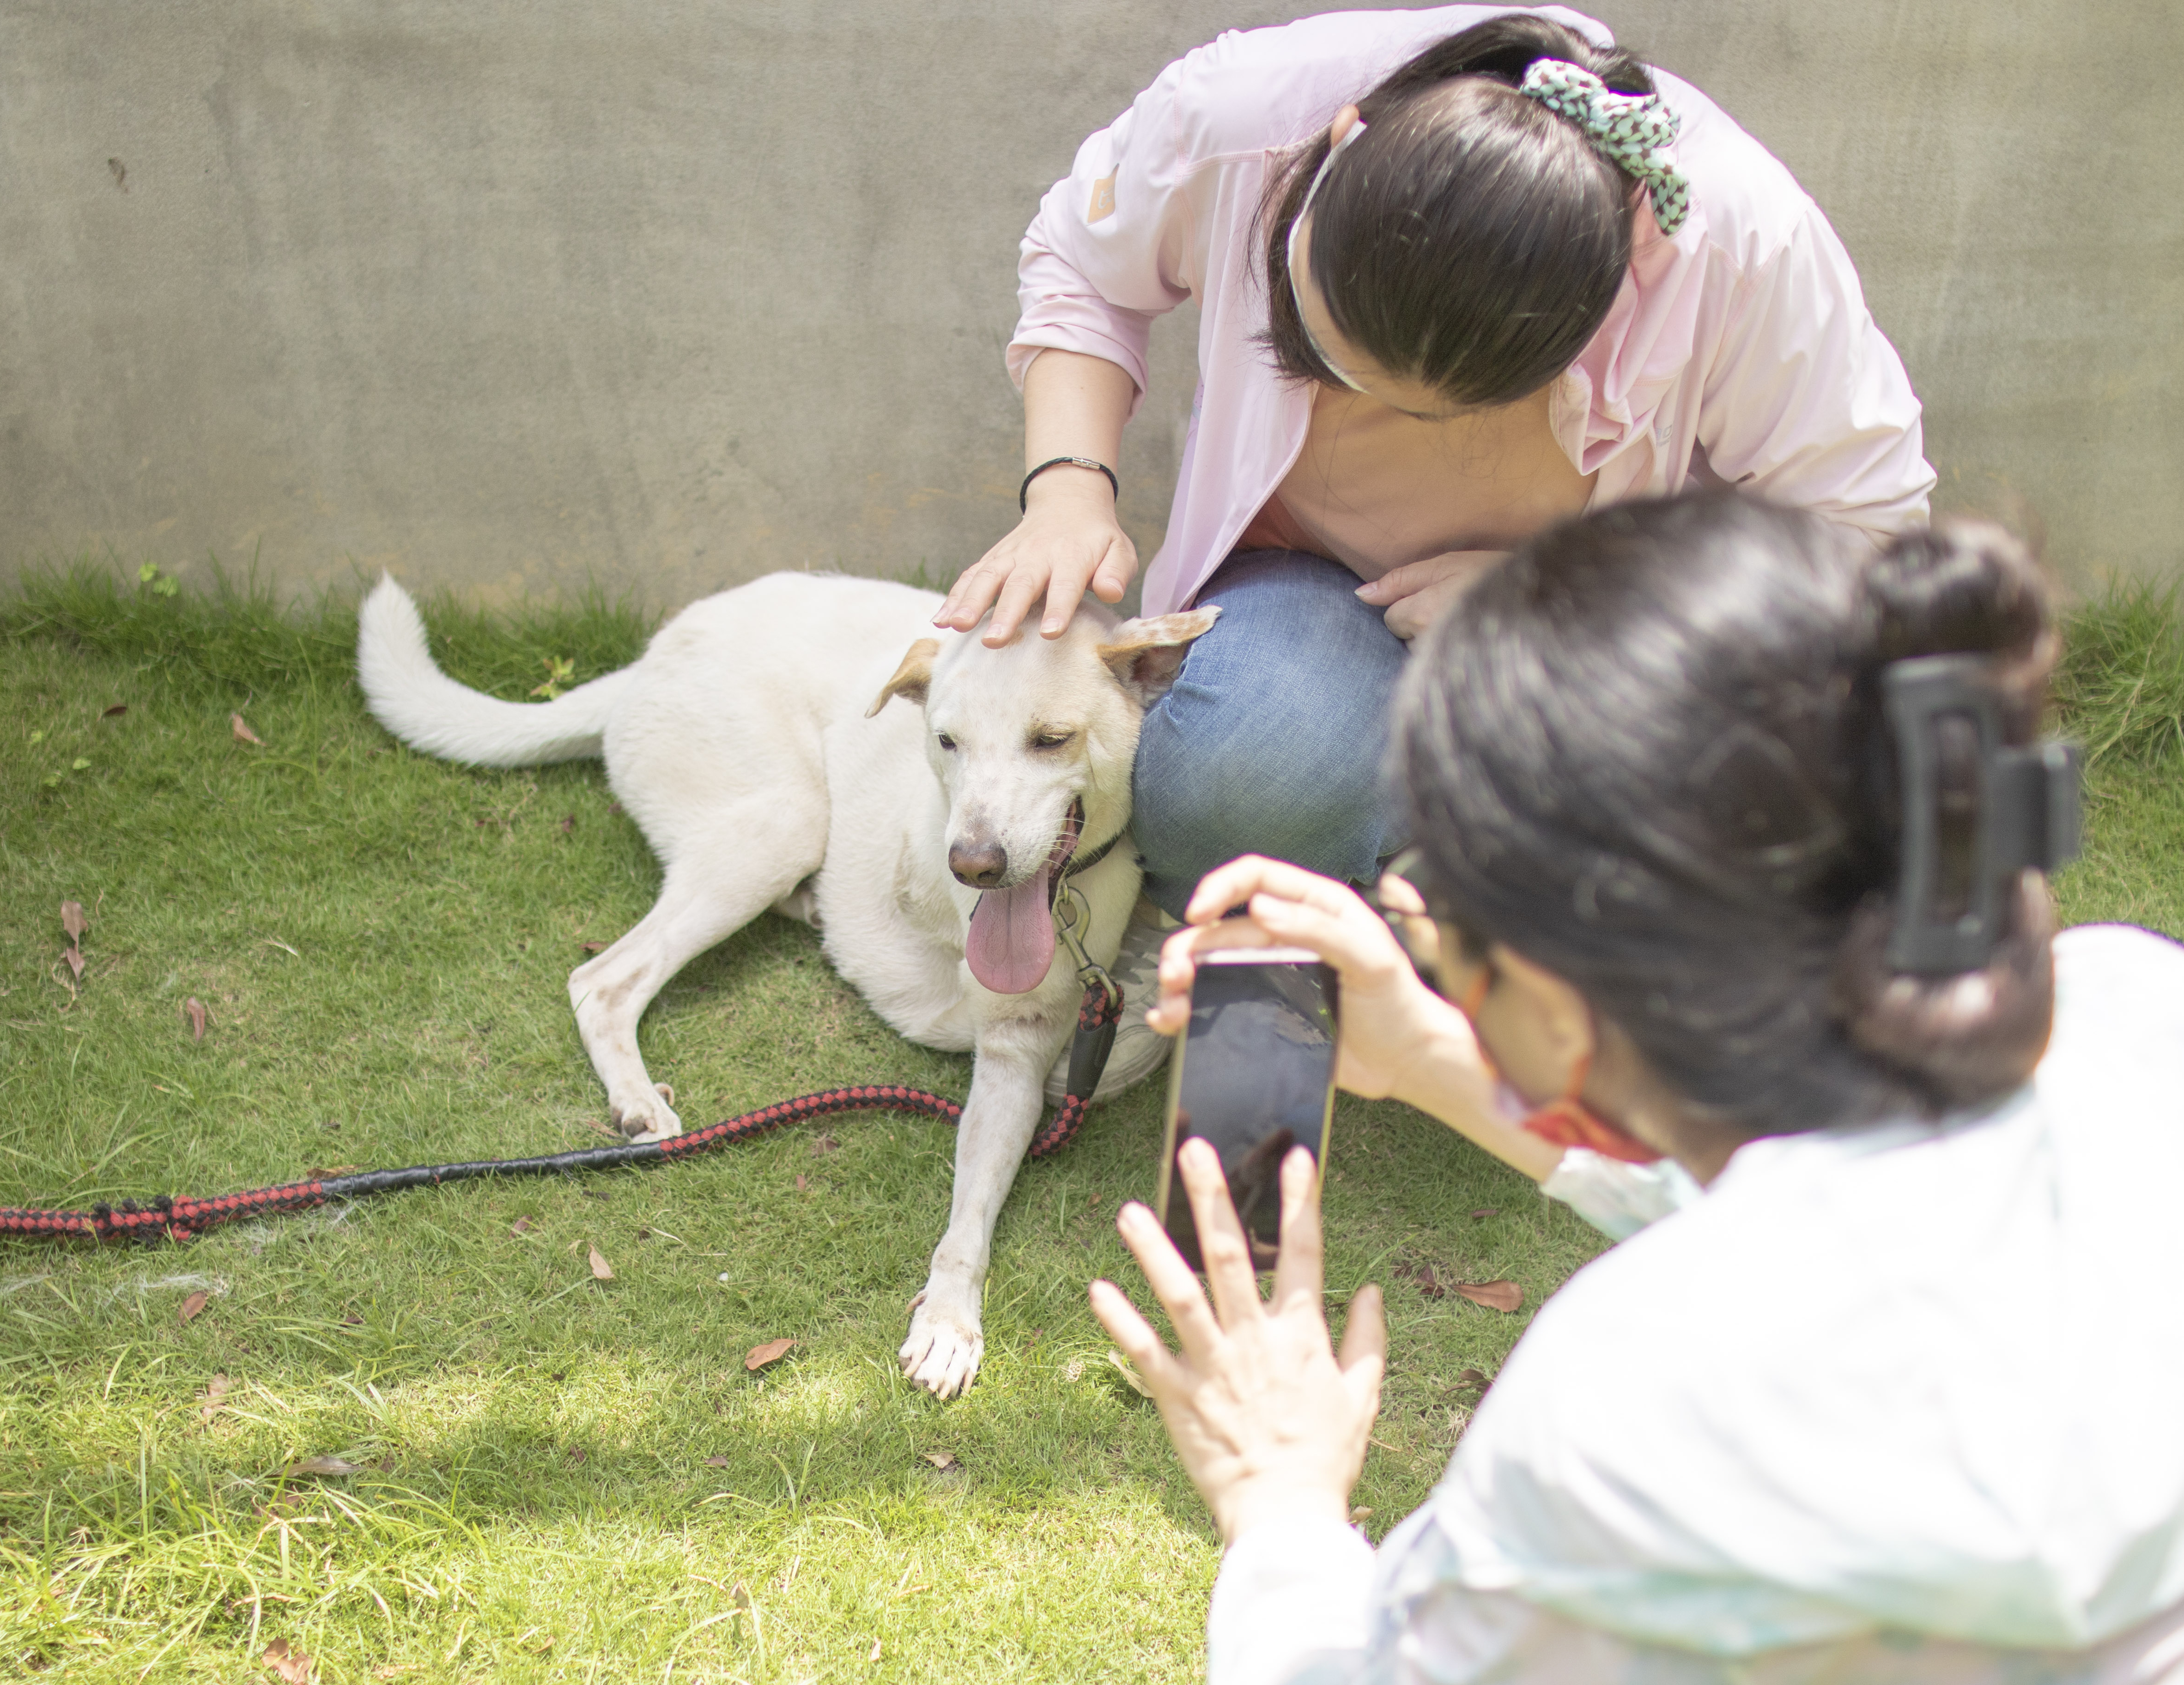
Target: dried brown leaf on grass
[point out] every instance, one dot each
(520, 1224)
(196, 1016)
(191, 1306)
(801, 1183)
(771, 1352)
(292, 1665)
(75, 923)
(1505, 1295)
(117, 708)
(243, 734)
(824, 1145)
(595, 947)
(601, 1269)
(875, 1655)
(215, 1390)
(940, 1460)
(716, 1462)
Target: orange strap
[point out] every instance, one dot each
(1567, 1122)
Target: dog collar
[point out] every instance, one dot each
(1081, 863)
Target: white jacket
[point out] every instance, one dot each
(1895, 1403)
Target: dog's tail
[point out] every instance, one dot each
(409, 695)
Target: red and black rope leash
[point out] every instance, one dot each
(171, 1218)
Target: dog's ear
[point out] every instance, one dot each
(1146, 655)
(912, 679)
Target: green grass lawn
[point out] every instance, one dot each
(558, 1476)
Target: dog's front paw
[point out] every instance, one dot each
(645, 1114)
(945, 1345)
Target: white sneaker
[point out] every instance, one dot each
(1139, 1049)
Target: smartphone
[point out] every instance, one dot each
(1254, 1074)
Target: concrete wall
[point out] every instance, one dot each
(672, 293)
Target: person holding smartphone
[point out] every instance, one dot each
(1461, 272)
(1722, 824)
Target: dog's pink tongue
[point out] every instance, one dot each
(1010, 943)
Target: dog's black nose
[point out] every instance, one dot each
(980, 865)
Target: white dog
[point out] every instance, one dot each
(753, 744)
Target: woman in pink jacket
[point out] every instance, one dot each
(1461, 274)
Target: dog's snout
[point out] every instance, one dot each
(979, 865)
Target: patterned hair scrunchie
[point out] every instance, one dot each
(1632, 130)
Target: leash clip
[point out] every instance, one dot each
(1072, 922)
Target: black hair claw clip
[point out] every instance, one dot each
(1976, 812)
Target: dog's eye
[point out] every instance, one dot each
(946, 742)
(1052, 740)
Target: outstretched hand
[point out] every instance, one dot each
(1269, 1421)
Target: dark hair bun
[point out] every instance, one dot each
(1966, 587)
(1959, 587)
(1962, 1039)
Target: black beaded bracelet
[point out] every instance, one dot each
(1024, 491)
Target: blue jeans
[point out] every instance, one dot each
(1271, 741)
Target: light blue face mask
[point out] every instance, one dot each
(1304, 210)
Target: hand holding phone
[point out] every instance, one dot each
(1397, 1035)
(1252, 1076)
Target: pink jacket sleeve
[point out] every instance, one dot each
(1806, 401)
(1107, 251)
